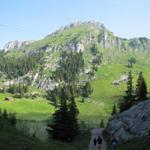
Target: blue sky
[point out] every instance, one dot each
(34, 19)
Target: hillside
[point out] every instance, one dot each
(131, 128)
(132, 123)
(77, 36)
(106, 60)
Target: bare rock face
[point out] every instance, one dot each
(95, 24)
(97, 34)
(120, 80)
(46, 84)
(15, 44)
(101, 36)
(132, 123)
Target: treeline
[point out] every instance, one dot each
(56, 94)
(7, 119)
(133, 95)
(97, 59)
(83, 90)
(64, 125)
(14, 66)
(70, 65)
(19, 89)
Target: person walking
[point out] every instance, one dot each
(95, 142)
(114, 143)
(99, 143)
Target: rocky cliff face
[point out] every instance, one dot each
(139, 43)
(95, 24)
(132, 123)
(102, 37)
(15, 44)
(76, 36)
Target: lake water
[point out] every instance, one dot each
(33, 128)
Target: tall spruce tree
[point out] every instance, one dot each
(53, 96)
(58, 128)
(70, 65)
(73, 120)
(94, 49)
(114, 110)
(102, 125)
(65, 124)
(141, 89)
(86, 90)
(128, 99)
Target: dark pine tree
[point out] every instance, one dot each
(86, 90)
(58, 129)
(73, 120)
(102, 124)
(94, 49)
(114, 111)
(141, 89)
(53, 95)
(12, 119)
(64, 126)
(7, 118)
(128, 99)
(5, 114)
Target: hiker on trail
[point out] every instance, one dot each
(99, 143)
(95, 142)
(114, 143)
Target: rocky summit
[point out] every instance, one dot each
(92, 32)
(81, 35)
(132, 123)
(15, 45)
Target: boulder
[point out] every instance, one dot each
(132, 123)
(8, 98)
(120, 80)
(115, 82)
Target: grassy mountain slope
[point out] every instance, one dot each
(116, 52)
(99, 105)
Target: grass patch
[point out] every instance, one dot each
(24, 142)
(28, 109)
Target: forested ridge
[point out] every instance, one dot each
(15, 66)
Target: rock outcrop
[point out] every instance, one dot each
(15, 44)
(22, 79)
(46, 84)
(98, 34)
(95, 24)
(93, 33)
(132, 123)
(119, 81)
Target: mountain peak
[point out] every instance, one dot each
(95, 24)
(91, 23)
(79, 35)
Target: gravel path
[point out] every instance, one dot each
(94, 134)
